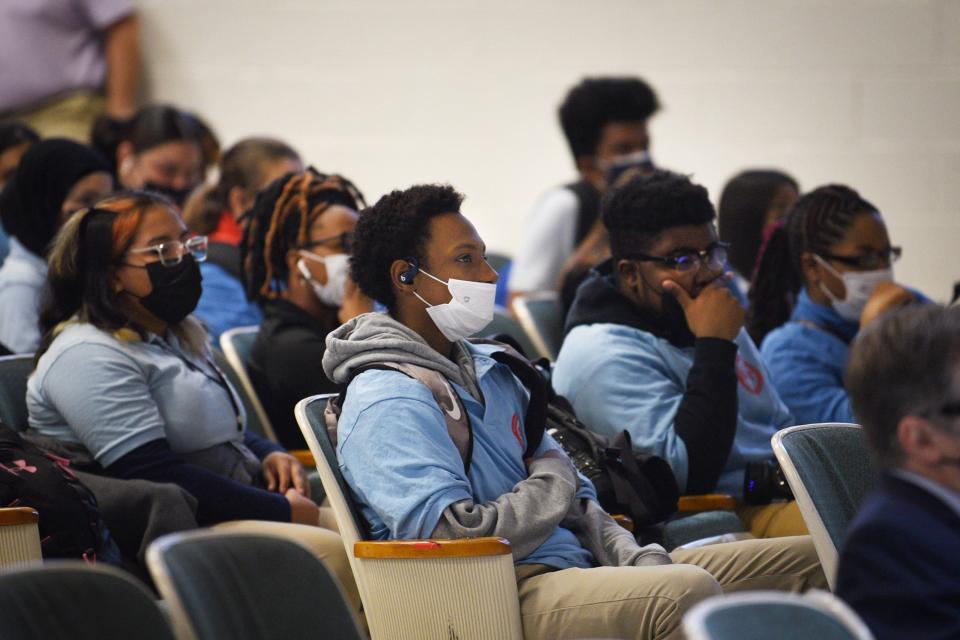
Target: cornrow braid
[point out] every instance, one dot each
(816, 222)
(280, 220)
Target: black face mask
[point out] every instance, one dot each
(178, 196)
(176, 290)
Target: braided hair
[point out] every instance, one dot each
(280, 220)
(817, 221)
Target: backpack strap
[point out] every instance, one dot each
(451, 406)
(535, 422)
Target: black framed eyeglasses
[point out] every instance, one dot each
(868, 261)
(713, 257)
(342, 241)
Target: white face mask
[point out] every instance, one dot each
(859, 286)
(470, 310)
(338, 266)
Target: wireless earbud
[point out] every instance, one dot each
(406, 277)
(304, 271)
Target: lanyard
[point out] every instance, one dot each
(219, 380)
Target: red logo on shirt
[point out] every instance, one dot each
(749, 376)
(515, 427)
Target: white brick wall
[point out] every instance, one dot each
(859, 91)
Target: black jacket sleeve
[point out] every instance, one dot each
(707, 417)
(219, 499)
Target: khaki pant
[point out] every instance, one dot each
(649, 602)
(67, 116)
(773, 520)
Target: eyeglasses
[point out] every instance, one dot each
(950, 410)
(342, 241)
(870, 260)
(713, 257)
(171, 253)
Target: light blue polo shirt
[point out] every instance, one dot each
(404, 470)
(114, 396)
(619, 377)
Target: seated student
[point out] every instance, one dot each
(580, 574)
(161, 149)
(833, 250)
(124, 373)
(15, 139)
(55, 178)
(296, 254)
(655, 345)
(900, 563)
(604, 120)
(217, 212)
(751, 202)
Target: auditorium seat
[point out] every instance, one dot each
(429, 588)
(830, 471)
(248, 587)
(72, 600)
(759, 615)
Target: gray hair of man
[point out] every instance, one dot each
(905, 363)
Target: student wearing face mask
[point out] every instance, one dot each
(55, 178)
(655, 345)
(579, 574)
(218, 212)
(826, 271)
(160, 149)
(124, 375)
(296, 250)
(604, 121)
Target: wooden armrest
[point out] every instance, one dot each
(18, 515)
(706, 502)
(304, 457)
(465, 548)
(624, 521)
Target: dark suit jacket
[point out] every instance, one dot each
(900, 565)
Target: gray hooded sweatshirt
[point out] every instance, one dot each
(528, 514)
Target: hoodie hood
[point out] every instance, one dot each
(374, 338)
(599, 300)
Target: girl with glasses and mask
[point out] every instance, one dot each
(124, 373)
(296, 253)
(824, 272)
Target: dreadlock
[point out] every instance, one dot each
(817, 221)
(280, 220)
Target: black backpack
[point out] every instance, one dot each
(70, 523)
(642, 487)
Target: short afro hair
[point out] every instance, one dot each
(397, 227)
(638, 211)
(596, 102)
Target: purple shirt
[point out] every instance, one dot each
(48, 47)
